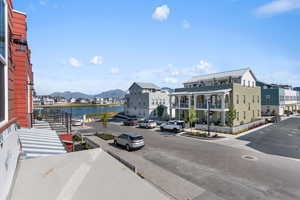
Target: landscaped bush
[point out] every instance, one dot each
(81, 147)
(77, 138)
(105, 136)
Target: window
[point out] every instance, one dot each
(253, 114)
(237, 99)
(249, 107)
(257, 113)
(238, 116)
(2, 54)
(249, 83)
(244, 99)
(2, 92)
(257, 99)
(244, 82)
(2, 29)
(244, 115)
(253, 100)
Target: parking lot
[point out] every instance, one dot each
(221, 171)
(281, 139)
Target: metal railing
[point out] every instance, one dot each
(53, 116)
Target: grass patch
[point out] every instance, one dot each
(110, 114)
(76, 105)
(198, 133)
(105, 136)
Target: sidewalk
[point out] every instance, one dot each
(171, 184)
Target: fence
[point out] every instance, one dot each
(235, 129)
(53, 116)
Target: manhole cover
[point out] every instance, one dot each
(247, 157)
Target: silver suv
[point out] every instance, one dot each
(130, 141)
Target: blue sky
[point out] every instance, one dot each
(96, 45)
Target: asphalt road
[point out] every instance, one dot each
(281, 139)
(218, 169)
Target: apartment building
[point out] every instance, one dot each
(144, 99)
(276, 99)
(218, 92)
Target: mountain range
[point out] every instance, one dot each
(110, 93)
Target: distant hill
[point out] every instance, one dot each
(69, 95)
(110, 93)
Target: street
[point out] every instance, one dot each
(222, 171)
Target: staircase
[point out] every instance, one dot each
(41, 125)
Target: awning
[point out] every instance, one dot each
(40, 142)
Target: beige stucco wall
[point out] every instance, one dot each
(242, 107)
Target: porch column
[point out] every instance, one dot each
(223, 113)
(179, 102)
(223, 101)
(195, 101)
(170, 104)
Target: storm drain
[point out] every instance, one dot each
(247, 157)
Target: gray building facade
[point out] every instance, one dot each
(144, 100)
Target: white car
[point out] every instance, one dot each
(76, 122)
(175, 126)
(147, 124)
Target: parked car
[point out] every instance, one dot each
(130, 141)
(175, 126)
(76, 122)
(147, 124)
(130, 122)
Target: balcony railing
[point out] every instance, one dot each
(204, 88)
(184, 105)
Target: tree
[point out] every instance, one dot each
(231, 115)
(160, 111)
(105, 119)
(192, 116)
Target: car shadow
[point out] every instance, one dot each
(166, 133)
(121, 147)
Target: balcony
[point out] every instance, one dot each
(184, 105)
(205, 88)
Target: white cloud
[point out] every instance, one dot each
(161, 13)
(171, 80)
(277, 7)
(115, 70)
(97, 60)
(204, 67)
(74, 62)
(186, 24)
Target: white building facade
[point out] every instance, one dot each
(144, 99)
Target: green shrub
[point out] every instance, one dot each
(105, 136)
(77, 138)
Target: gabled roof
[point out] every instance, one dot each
(146, 85)
(234, 74)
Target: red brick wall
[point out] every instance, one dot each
(19, 69)
(23, 72)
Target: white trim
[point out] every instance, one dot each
(5, 66)
(19, 12)
(202, 92)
